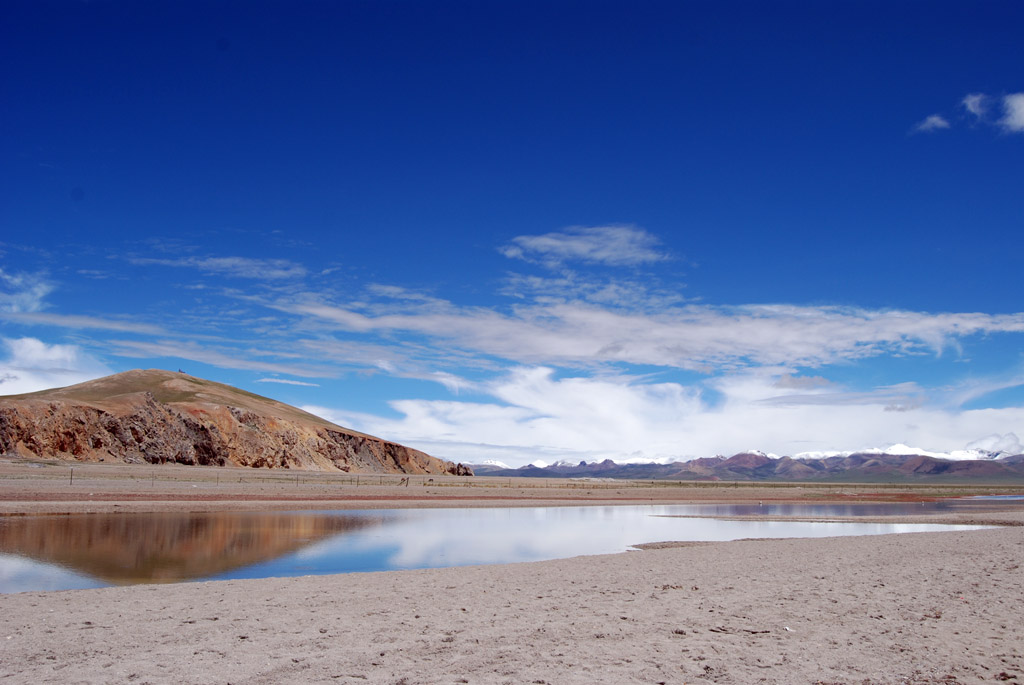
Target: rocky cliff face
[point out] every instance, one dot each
(161, 417)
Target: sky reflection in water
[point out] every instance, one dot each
(166, 547)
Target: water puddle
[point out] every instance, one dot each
(96, 550)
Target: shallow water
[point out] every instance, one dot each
(95, 550)
(997, 498)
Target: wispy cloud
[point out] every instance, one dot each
(400, 294)
(353, 353)
(589, 356)
(935, 122)
(979, 387)
(611, 245)
(23, 292)
(976, 104)
(223, 358)
(569, 286)
(567, 320)
(97, 274)
(898, 397)
(237, 267)
(83, 322)
(287, 381)
(697, 337)
(791, 382)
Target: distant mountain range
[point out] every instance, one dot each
(158, 417)
(860, 467)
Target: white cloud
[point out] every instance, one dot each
(33, 365)
(611, 245)
(239, 267)
(934, 122)
(538, 416)
(21, 292)
(533, 416)
(977, 106)
(1007, 444)
(1013, 113)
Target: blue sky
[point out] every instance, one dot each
(529, 231)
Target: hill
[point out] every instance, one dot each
(153, 416)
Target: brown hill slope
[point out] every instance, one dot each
(164, 417)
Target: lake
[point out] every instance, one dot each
(97, 550)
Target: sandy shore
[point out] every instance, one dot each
(911, 608)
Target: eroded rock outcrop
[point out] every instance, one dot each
(163, 417)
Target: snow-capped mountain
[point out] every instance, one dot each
(902, 450)
(494, 463)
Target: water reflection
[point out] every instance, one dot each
(20, 574)
(435, 538)
(166, 548)
(61, 552)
